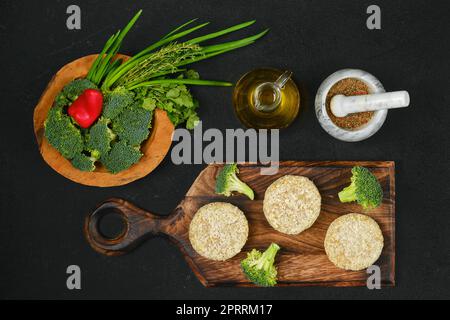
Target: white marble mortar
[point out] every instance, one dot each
(362, 132)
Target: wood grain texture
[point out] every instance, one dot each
(154, 148)
(301, 261)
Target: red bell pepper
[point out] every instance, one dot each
(87, 108)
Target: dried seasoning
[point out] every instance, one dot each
(349, 87)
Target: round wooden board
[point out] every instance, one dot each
(154, 148)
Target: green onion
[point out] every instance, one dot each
(179, 28)
(112, 47)
(182, 81)
(149, 64)
(221, 32)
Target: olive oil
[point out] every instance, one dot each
(266, 99)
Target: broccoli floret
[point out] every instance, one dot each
(83, 162)
(133, 124)
(121, 157)
(116, 101)
(62, 134)
(99, 138)
(259, 267)
(61, 100)
(228, 182)
(364, 188)
(76, 88)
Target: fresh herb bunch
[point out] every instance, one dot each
(173, 98)
(154, 78)
(109, 73)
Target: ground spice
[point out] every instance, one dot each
(348, 87)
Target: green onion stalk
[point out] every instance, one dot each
(163, 58)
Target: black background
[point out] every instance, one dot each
(42, 213)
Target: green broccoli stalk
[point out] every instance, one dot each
(84, 163)
(133, 124)
(62, 134)
(364, 189)
(259, 267)
(116, 101)
(75, 88)
(228, 182)
(61, 101)
(99, 139)
(121, 157)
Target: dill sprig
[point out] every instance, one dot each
(162, 61)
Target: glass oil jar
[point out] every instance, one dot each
(266, 99)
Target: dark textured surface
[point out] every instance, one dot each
(42, 212)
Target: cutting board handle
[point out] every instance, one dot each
(140, 224)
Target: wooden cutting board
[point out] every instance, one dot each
(301, 261)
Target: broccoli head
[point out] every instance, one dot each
(259, 267)
(116, 101)
(100, 137)
(62, 134)
(61, 101)
(121, 157)
(133, 124)
(364, 189)
(228, 182)
(83, 162)
(76, 88)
